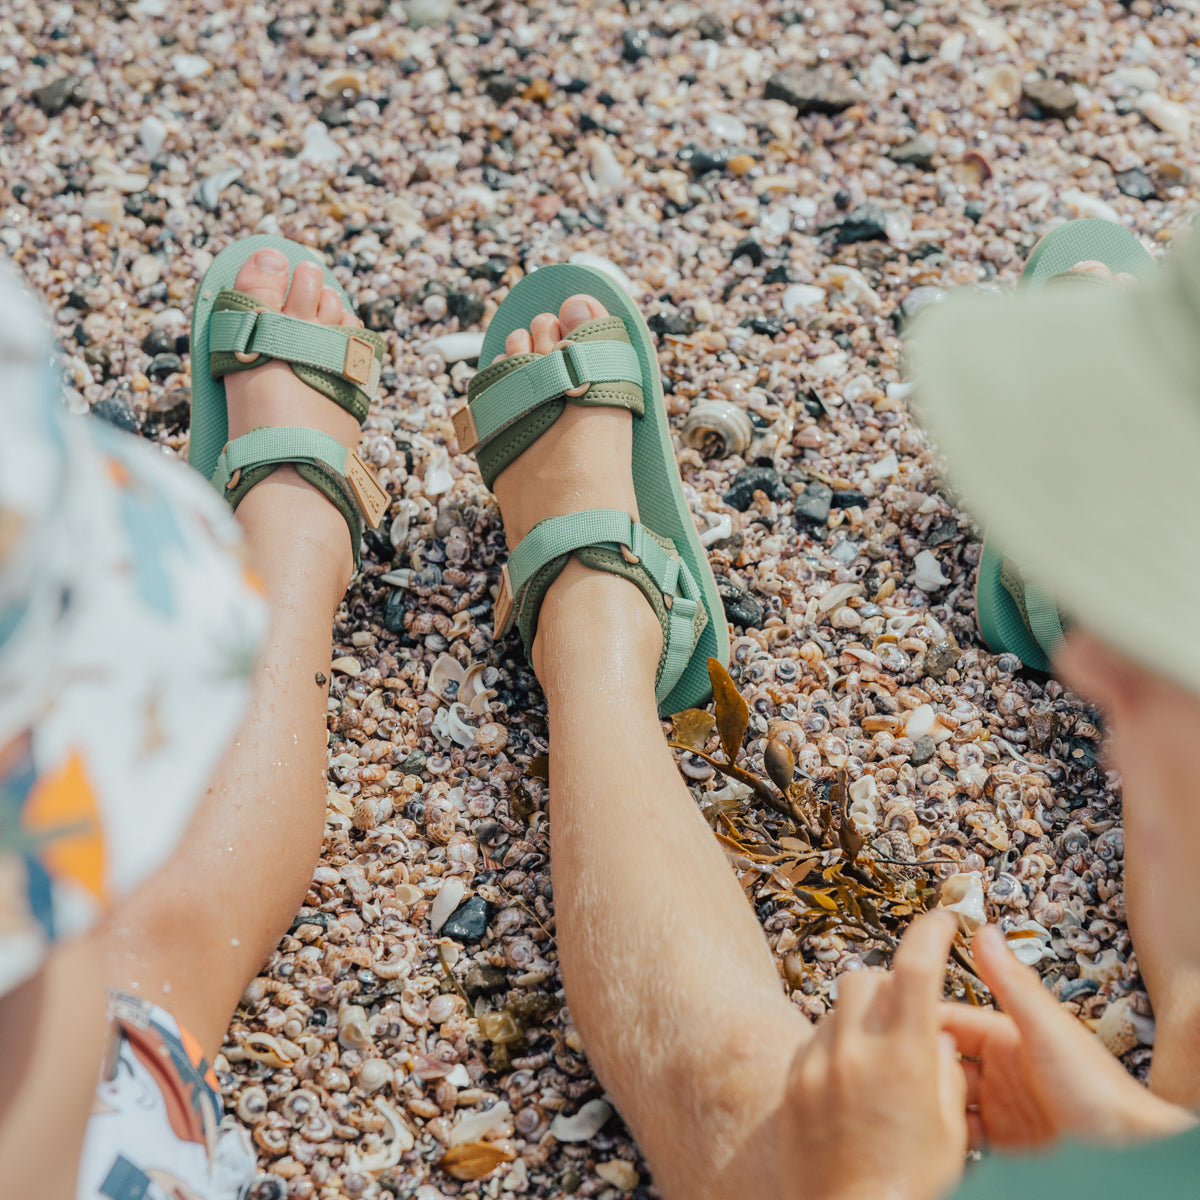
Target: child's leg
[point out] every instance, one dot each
(196, 933)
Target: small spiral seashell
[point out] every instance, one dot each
(718, 421)
(491, 738)
(252, 1104)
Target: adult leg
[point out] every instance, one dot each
(195, 934)
(670, 981)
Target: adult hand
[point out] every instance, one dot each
(1041, 1075)
(877, 1099)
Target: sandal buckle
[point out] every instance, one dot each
(360, 357)
(465, 430)
(581, 388)
(504, 604)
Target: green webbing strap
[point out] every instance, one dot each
(1043, 618)
(276, 335)
(549, 377)
(560, 536)
(279, 445)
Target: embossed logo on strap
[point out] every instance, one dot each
(360, 357)
(464, 429)
(372, 498)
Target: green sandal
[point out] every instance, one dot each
(233, 332)
(1013, 614)
(512, 402)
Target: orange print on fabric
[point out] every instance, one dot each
(61, 812)
(118, 472)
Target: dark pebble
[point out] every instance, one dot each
(1136, 183)
(466, 306)
(100, 357)
(809, 91)
(1077, 989)
(483, 978)
(1051, 96)
(700, 161)
(634, 44)
(502, 88)
(923, 750)
(941, 658)
(116, 411)
(428, 577)
(379, 314)
(742, 609)
(849, 499)
(779, 274)
(671, 321)
(943, 533)
(162, 365)
(431, 287)
(770, 326)
(169, 410)
(916, 152)
(414, 764)
(755, 479)
(710, 27)
(750, 249)
(1081, 753)
(54, 97)
(468, 922)
(864, 224)
(975, 210)
(393, 611)
(813, 504)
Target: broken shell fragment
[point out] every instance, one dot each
(962, 894)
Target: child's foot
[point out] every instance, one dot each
(274, 395)
(584, 460)
(1093, 266)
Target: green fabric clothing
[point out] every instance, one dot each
(1156, 1169)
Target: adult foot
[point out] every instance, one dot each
(273, 395)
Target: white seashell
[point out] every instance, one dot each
(800, 296)
(445, 671)
(603, 165)
(319, 147)
(438, 479)
(339, 81)
(450, 726)
(1136, 79)
(857, 387)
(146, 270)
(191, 66)
(731, 423)
(473, 692)
(829, 365)
(952, 47)
(919, 722)
(152, 8)
(1080, 204)
(882, 73)
(727, 128)
(962, 894)
(398, 1140)
(928, 575)
(352, 1027)
(620, 1172)
(884, 468)
(347, 666)
(582, 258)
(837, 595)
(211, 188)
(169, 318)
(456, 347)
(1116, 1028)
(1002, 85)
(584, 1125)
(449, 897)
(152, 134)
(845, 618)
(374, 1074)
(718, 530)
(1104, 968)
(108, 175)
(474, 1126)
(899, 626)
(398, 530)
(864, 804)
(460, 1077)
(1168, 116)
(853, 285)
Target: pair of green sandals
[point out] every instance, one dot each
(514, 400)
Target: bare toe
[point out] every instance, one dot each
(547, 332)
(329, 309)
(349, 318)
(578, 309)
(265, 277)
(1092, 267)
(305, 294)
(518, 342)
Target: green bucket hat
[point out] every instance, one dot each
(1071, 419)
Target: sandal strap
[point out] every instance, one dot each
(343, 362)
(515, 400)
(611, 541)
(322, 460)
(1037, 610)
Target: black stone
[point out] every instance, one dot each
(941, 658)
(428, 577)
(710, 27)
(749, 248)
(755, 479)
(1051, 97)
(468, 922)
(1081, 753)
(634, 44)
(379, 314)
(916, 152)
(975, 210)
(742, 609)
(334, 115)
(116, 411)
(671, 321)
(502, 88)
(943, 533)
(779, 274)
(849, 499)
(483, 978)
(162, 365)
(169, 410)
(923, 750)
(82, 297)
(393, 611)
(864, 224)
(414, 764)
(809, 91)
(1136, 183)
(700, 161)
(431, 287)
(812, 405)
(813, 504)
(770, 326)
(54, 97)
(466, 306)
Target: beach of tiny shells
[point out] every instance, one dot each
(779, 231)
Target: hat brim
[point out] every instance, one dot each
(1071, 419)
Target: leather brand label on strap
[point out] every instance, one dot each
(360, 357)
(372, 498)
(464, 429)
(502, 617)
